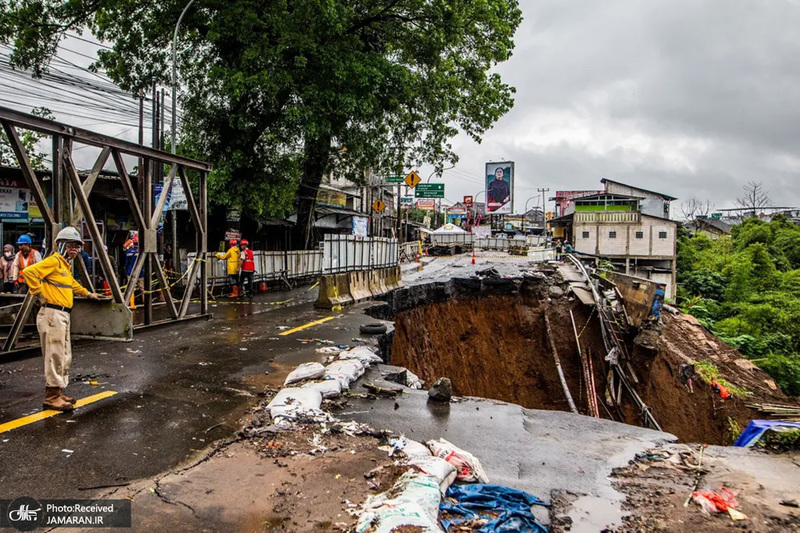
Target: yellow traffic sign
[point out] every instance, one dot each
(378, 206)
(412, 179)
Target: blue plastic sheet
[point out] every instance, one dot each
(508, 510)
(756, 429)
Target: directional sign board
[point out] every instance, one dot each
(394, 179)
(412, 179)
(378, 206)
(429, 190)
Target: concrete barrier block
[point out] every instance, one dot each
(333, 290)
(374, 285)
(382, 280)
(359, 289)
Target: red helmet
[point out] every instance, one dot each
(232, 242)
(245, 243)
(135, 238)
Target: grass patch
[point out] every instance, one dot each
(709, 372)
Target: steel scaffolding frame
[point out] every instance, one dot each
(70, 206)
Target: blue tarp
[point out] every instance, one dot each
(508, 510)
(756, 429)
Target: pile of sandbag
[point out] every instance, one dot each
(418, 493)
(310, 383)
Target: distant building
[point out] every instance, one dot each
(713, 227)
(627, 225)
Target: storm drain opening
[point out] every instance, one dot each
(495, 344)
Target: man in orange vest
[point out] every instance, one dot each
(52, 282)
(248, 269)
(26, 257)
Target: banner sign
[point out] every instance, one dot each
(406, 202)
(14, 199)
(426, 205)
(500, 188)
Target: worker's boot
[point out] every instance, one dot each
(235, 292)
(66, 398)
(54, 401)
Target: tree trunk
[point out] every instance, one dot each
(317, 152)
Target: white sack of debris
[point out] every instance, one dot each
(345, 372)
(467, 466)
(361, 353)
(291, 402)
(305, 372)
(415, 505)
(329, 388)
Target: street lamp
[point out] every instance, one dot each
(525, 213)
(174, 72)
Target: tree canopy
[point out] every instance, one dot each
(274, 90)
(746, 289)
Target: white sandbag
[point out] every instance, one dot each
(439, 469)
(467, 466)
(329, 388)
(291, 400)
(304, 372)
(416, 504)
(414, 449)
(363, 354)
(345, 372)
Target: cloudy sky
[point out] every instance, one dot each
(690, 98)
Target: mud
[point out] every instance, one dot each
(489, 338)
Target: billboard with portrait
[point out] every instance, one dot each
(500, 188)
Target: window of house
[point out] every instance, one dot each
(612, 234)
(662, 234)
(585, 234)
(640, 235)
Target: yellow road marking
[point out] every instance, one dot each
(304, 326)
(41, 415)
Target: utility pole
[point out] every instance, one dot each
(544, 218)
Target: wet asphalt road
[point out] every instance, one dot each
(175, 386)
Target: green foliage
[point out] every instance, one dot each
(785, 369)
(746, 289)
(709, 372)
(271, 91)
(29, 139)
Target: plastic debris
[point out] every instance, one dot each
(715, 502)
(723, 391)
(500, 509)
(305, 372)
(756, 429)
(467, 466)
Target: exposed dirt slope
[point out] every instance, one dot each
(701, 416)
(495, 346)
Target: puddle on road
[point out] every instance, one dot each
(275, 378)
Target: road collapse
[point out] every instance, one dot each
(538, 339)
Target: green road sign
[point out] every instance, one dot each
(429, 190)
(394, 179)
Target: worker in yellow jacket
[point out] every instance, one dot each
(51, 281)
(232, 256)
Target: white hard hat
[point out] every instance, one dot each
(69, 234)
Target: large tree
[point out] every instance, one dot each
(273, 90)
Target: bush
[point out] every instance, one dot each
(785, 370)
